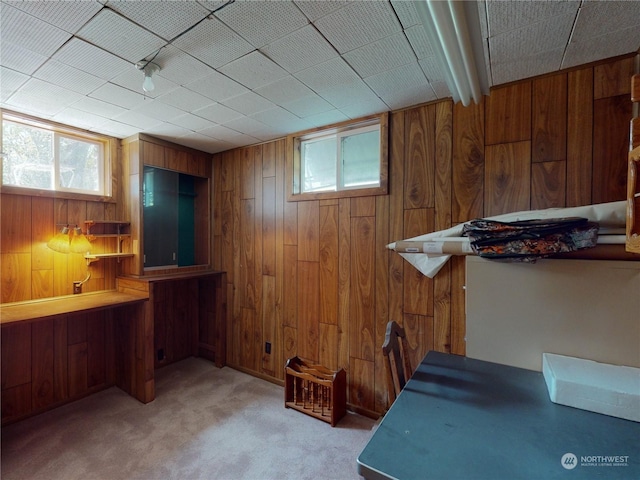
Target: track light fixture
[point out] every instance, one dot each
(148, 68)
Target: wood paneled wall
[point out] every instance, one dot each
(315, 279)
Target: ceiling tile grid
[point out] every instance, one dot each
(263, 22)
(118, 35)
(254, 70)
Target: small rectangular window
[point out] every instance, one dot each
(42, 157)
(339, 161)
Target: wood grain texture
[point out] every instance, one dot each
(362, 302)
(328, 247)
(579, 137)
(508, 114)
(443, 170)
(308, 310)
(269, 226)
(507, 178)
(612, 78)
(468, 162)
(419, 155)
(548, 183)
(361, 381)
(290, 286)
(418, 289)
(396, 214)
(549, 119)
(42, 347)
(610, 147)
(308, 231)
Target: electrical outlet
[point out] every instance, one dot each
(267, 347)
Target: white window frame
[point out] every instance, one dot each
(295, 164)
(60, 132)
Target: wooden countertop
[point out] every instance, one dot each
(50, 307)
(172, 276)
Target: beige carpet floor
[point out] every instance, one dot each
(206, 423)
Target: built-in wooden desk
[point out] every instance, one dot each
(59, 349)
(41, 309)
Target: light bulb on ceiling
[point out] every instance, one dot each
(148, 68)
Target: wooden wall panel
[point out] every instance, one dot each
(508, 114)
(418, 289)
(548, 183)
(419, 157)
(42, 346)
(308, 310)
(610, 144)
(507, 178)
(549, 119)
(468, 162)
(269, 226)
(328, 247)
(308, 231)
(396, 213)
(362, 303)
(579, 137)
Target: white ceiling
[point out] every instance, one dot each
(258, 70)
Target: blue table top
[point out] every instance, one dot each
(460, 418)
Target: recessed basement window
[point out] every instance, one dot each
(344, 160)
(44, 157)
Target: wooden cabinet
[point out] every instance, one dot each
(160, 237)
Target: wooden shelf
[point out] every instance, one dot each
(106, 230)
(98, 256)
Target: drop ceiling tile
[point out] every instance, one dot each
(535, 63)
(79, 118)
(507, 16)
(419, 41)
(357, 24)
(253, 70)
(284, 89)
(213, 43)
(20, 59)
(203, 143)
(314, 9)
(282, 119)
(117, 129)
(69, 77)
(431, 68)
(185, 99)
(217, 87)
(44, 107)
(246, 125)
(262, 22)
(180, 68)
(93, 105)
(441, 89)
(120, 36)
(192, 122)
(158, 110)
(91, 59)
(300, 49)
(385, 54)
(69, 16)
(167, 131)
(306, 106)
(411, 96)
(41, 89)
(599, 18)
(531, 39)
(407, 77)
(136, 119)
(348, 94)
(327, 75)
(10, 81)
(117, 95)
(228, 135)
(608, 45)
(248, 103)
(358, 110)
(406, 12)
(166, 19)
(217, 113)
(326, 118)
(29, 32)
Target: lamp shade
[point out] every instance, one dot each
(60, 241)
(79, 242)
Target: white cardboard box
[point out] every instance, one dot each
(598, 387)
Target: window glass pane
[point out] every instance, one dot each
(361, 159)
(28, 159)
(79, 164)
(318, 164)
